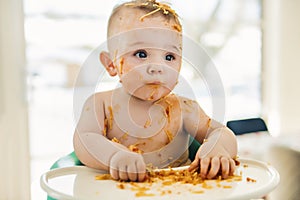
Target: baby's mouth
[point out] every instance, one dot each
(154, 83)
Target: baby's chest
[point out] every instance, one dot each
(154, 142)
(147, 133)
(148, 129)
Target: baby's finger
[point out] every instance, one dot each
(214, 167)
(204, 165)
(225, 166)
(195, 164)
(114, 173)
(132, 173)
(123, 172)
(232, 166)
(141, 170)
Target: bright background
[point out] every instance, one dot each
(43, 44)
(60, 35)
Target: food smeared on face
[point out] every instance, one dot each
(154, 91)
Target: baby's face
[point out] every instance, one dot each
(147, 54)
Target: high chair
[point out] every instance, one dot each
(244, 126)
(237, 126)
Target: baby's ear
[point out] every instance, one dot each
(108, 64)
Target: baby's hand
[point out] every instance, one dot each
(127, 165)
(210, 167)
(213, 157)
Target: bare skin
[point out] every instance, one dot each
(142, 122)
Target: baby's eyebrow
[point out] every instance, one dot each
(137, 43)
(175, 48)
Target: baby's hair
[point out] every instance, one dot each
(151, 7)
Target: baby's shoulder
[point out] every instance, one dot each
(186, 102)
(98, 98)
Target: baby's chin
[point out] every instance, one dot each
(151, 96)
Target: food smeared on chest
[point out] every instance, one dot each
(121, 65)
(168, 107)
(171, 115)
(169, 135)
(132, 147)
(115, 140)
(104, 131)
(111, 117)
(209, 123)
(147, 123)
(189, 105)
(108, 121)
(135, 148)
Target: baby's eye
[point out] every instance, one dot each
(141, 54)
(170, 57)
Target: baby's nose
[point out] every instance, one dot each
(154, 69)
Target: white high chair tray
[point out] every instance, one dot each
(79, 182)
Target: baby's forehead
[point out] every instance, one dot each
(129, 18)
(148, 37)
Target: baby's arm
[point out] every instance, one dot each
(219, 145)
(95, 150)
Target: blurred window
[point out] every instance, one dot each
(60, 35)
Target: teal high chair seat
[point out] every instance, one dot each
(67, 161)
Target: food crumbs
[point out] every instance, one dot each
(135, 149)
(167, 113)
(143, 194)
(115, 140)
(121, 65)
(124, 136)
(198, 192)
(111, 117)
(237, 163)
(147, 124)
(168, 183)
(151, 97)
(104, 131)
(103, 177)
(169, 135)
(250, 180)
(121, 186)
(177, 27)
(168, 177)
(208, 122)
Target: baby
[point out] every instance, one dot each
(142, 122)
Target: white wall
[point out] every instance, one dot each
(14, 150)
(281, 65)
